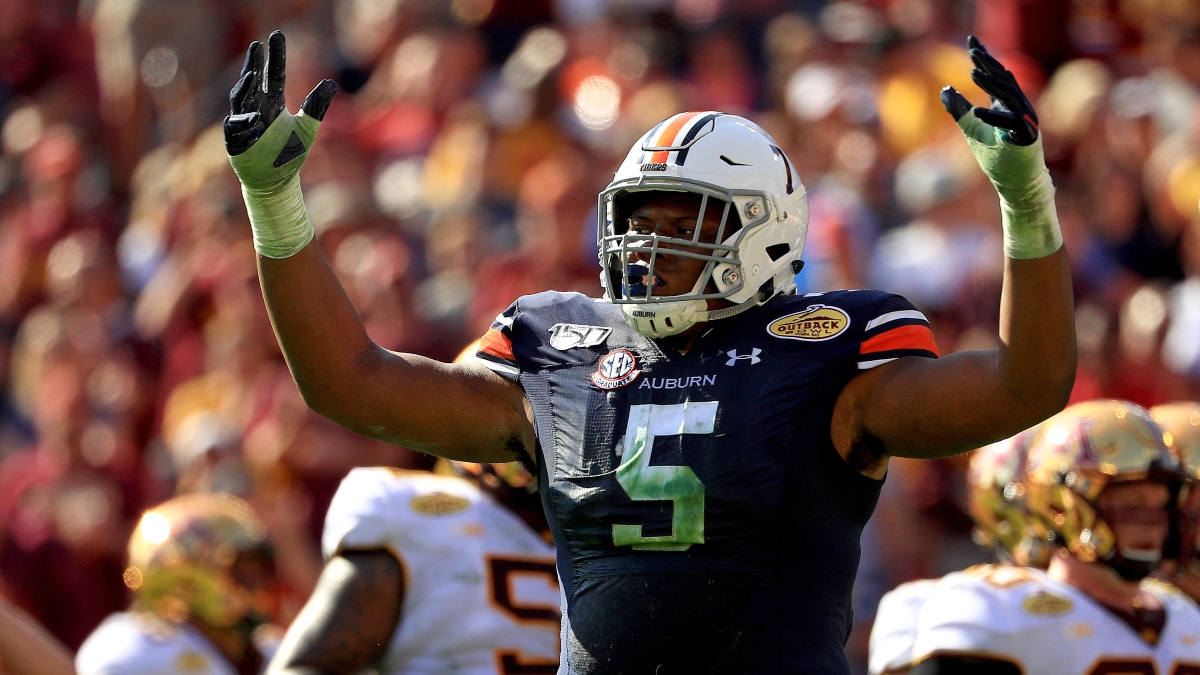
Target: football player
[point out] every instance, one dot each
(431, 573)
(1099, 478)
(995, 480)
(1181, 422)
(708, 445)
(203, 583)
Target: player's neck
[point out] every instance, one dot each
(1096, 580)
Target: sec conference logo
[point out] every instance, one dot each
(814, 324)
(617, 369)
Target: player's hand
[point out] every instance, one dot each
(266, 143)
(1007, 144)
(1011, 112)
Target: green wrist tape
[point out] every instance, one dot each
(1031, 228)
(278, 220)
(274, 201)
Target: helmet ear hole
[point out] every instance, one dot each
(777, 251)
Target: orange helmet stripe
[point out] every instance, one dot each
(666, 137)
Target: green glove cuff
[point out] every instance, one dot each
(1031, 228)
(274, 201)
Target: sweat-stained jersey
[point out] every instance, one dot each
(703, 519)
(480, 590)
(895, 627)
(1045, 627)
(138, 643)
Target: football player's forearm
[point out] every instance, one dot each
(319, 331)
(28, 649)
(385, 395)
(1036, 358)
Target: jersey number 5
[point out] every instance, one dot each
(677, 484)
(503, 572)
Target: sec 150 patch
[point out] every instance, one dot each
(815, 323)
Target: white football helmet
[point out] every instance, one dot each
(733, 165)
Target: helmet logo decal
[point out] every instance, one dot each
(814, 324)
(617, 369)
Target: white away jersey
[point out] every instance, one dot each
(1046, 627)
(480, 588)
(895, 626)
(138, 643)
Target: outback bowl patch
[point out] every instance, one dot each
(438, 504)
(1046, 604)
(816, 323)
(616, 369)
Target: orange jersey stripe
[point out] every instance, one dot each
(497, 344)
(903, 337)
(667, 136)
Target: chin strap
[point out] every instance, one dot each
(725, 313)
(1133, 565)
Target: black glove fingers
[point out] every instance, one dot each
(254, 58)
(276, 63)
(1020, 132)
(317, 102)
(955, 103)
(1001, 119)
(1000, 91)
(241, 131)
(242, 96)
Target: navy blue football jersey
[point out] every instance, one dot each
(704, 522)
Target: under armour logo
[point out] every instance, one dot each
(734, 357)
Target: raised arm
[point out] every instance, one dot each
(455, 411)
(916, 407)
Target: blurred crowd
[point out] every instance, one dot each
(458, 169)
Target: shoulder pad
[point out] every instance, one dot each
(130, 643)
(374, 507)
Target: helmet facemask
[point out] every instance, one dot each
(1086, 450)
(730, 164)
(629, 258)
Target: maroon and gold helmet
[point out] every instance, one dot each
(1078, 453)
(187, 556)
(1180, 422)
(996, 500)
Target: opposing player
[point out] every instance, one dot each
(203, 583)
(431, 573)
(1181, 422)
(1102, 481)
(995, 481)
(708, 445)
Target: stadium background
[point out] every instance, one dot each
(458, 169)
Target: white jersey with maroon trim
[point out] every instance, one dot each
(138, 643)
(895, 627)
(1045, 627)
(480, 588)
